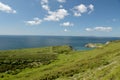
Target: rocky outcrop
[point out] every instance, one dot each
(93, 45)
(107, 42)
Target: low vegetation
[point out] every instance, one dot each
(12, 60)
(61, 63)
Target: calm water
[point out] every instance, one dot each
(18, 42)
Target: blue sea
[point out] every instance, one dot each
(78, 43)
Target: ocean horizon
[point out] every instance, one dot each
(9, 42)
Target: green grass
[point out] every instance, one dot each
(97, 64)
(20, 59)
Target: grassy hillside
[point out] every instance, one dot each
(12, 60)
(64, 64)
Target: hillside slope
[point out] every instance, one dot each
(98, 64)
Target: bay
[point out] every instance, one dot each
(77, 42)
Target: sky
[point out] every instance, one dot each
(60, 17)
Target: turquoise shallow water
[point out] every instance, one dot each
(18, 42)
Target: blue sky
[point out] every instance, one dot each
(60, 17)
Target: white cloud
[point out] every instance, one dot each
(56, 15)
(46, 7)
(6, 8)
(44, 4)
(65, 30)
(108, 29)
(35, 21)
(91, 7)
(44, 1)
(80, 9)
(61, 1)
(77, 14)
(61, 6)
(67, 24)
(89, 29)
(105, 29)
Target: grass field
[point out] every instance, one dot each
(61, 63)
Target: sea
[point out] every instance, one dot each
(77, 42)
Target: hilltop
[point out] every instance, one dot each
(61, 63)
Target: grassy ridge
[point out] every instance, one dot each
(98, 64)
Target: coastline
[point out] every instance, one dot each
(21, 42)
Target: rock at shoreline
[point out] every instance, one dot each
(93, 45)
(96, 45)
(107, 42)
